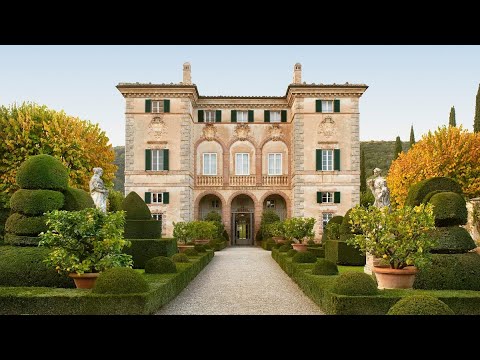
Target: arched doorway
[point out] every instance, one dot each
(243, 208)
(207, 204)
(276, 203)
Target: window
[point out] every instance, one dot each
(215, 204)
(327, 197)
(209, 116)
(157, 106)
(242, 116)
(327, 160)
(270, 204)
(274, 164)
(209, 164)
(157, 198)
(326, 217)
(242, 164)
(158, 160)
(275, 116)
(327, 106)
(157, 217)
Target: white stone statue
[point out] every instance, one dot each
(379, 188)
(98, 192)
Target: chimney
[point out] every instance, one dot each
(297, 74)
(187, 74)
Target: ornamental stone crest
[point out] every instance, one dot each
(209, 132)
(275, 132)
(327, 127)
(242, 131)
(157, 127)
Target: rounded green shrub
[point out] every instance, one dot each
(135, 207)
(191, 252)
(24, 266)
(36, 202)
(21, 240)
(325, 267)
(449, 209)
(180, 258)
(120, 281)
(285, 248)
(355, 284)
(199, 248)
(427, 197)
(304, 258)
(291, 252)
(213, 216)
(42, 172)
(19, 224)
(420, 305)
(160, 265)
(77, 199)
(417, 192)
(452, 240)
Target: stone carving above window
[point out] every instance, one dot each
(242, 131)
(209, 132)
(327, 127)
(157, 127)
(275, 132)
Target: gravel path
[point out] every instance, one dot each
(241, 280)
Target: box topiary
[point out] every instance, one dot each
(304, 258)
(135, 207)
(42, 172)
(20, 240)
(191, 252)
(77, 199)
(449, 209)
(341, 253)
(180, 258)
(452, 240)
(200, 248)
(143, 229)
(319, 252)
(418, 191)
(18, 224)
(143, 250)
(427, 197)
(420, 305)
(355, 284)
(120, 281)
(160, 265)
(285, 248)
(325, 267)
(291, 252)
(36, 202)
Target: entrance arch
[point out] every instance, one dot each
(242, 219)
(209, 203)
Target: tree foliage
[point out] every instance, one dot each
(452, 121)
(476, 122)
(412, 136)
(398, 147)
(30, 129)
(363, 174)
(449, 151)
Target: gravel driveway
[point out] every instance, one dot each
(241, 280)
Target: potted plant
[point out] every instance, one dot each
(85, 243)
(276, 232)
(183, 231)
(203, 231)
(399, 237)
(299, 230)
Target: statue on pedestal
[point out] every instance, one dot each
(98, 192)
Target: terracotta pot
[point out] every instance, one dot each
(278, 239)
(84, 281)
(477, 250)
(202, 241)
(183, 248)
(300, 247)
(388, 278)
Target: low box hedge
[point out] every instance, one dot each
(340, 253)
(268, 244)
(50, 301)
(143, 250)
(318, 251)
(220, 245)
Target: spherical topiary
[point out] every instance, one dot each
(19, 224)
(42, 172)
(36, 202)
(135, 207)
(449, 209)
(325, 267)
(191, 252)
(427, 197)
(160, 265)
(180, 258)
(285, 248)
(120, 281)
(199, 248)
(355, 284)
(451, 240)
(77, 199)
(420, 305)
(304, 258)
(291, 252)
(417, 192)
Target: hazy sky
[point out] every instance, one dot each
(407, 84)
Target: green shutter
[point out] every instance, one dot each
(166, 106)
(336, 197)
(336, 159)
(165, 159)
(148, 159)
(319, 197)
(266, 116)
(148, 106)
(318, 159)
(200, 115)
(148, 197)
(284, 116)
(218, 116)
(166, 198)
(336, 105)
(318, 105)
(233, 117)
(250, 115)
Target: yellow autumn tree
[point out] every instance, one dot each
(449, 151)
(31, 129)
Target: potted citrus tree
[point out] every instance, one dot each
(299, 230)
(203, 231)
(276, 231)
(183, 231)
(399, 237)
(84, 243)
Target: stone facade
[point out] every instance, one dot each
(181, 126)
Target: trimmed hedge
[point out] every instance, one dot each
(325, 267)
(21, 240)
(291, 252)
(4, 214)
(427, 197)
(191, 252)
(452, 240)
(160, 265)
(24, 266)
(36, 202)
(42, 172)
(199, 248)
(180, 258)
(143, 229)
(19, 224)
(420, 305)
(143, 250)
(450, 272)
(354, 284)
(135, 207)
(419, 191)
(304, 258)
(318, 251)
(120, 281)
(340, 253)
(449, 209)
(218, 245)
(268, 244)
(285, 247)
(77, 199)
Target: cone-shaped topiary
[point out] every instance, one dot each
(42, 172)
(135, 207)
(160, 265)
(449, 209)
(120, 281)
(325, 267)
(36, 202)
(77, 199)
(420, 305)
(304, 258)
(180, 258)
(355, 284)
(346, 227)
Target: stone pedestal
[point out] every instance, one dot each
(368, 264)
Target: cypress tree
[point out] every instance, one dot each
(363, 175)
(451, 120)
(476, 123)
(398, 147)
(412, 137)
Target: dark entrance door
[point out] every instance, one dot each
(242, 229)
